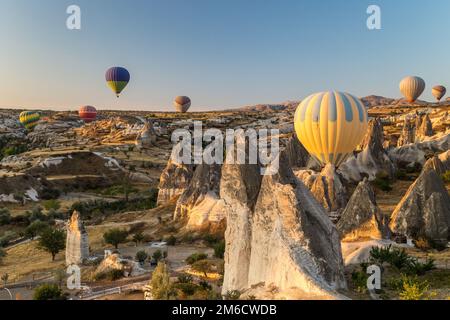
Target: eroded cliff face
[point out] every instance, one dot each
(424, 211)
(174, 180)
(285, 243)
(77, 241)
(200, 204)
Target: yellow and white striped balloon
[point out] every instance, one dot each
(330, 125)
(412, 88)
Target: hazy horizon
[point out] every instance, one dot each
(223, 55)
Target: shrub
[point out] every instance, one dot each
(5, 217)
(185, 278)
(232, 295)
(446, 176)
(36, 214)
(380, 255)
(193, 258)
(51, 204)
(417, 268)
(399, 258)
(7, 238)
(48, 292)
(359, 279)
(171, 241)
(141, 256)
(413, 289)
(219, 250)
(188, 289)
(383, 184)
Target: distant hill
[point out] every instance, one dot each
(288, 105)
(372, 101)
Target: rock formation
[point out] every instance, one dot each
(445, 159)
(115, 262)
(77, 241)
(373, 160)
(200, 204)
(296, 152)
(327, 188)
(173, 181)
(408, 135)
(436, 164)
(286, 243)
(146, 138)
(362, 219)
(425, 129)
(424, 211)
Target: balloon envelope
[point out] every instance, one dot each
(439, 92)
(330, 125)
(87, 113)
(117, 79)
(182, 104)
(29, 119)
(412, 88)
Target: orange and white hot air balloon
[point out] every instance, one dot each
(330, 125)
(87, 113)
(412, 87)
(439, 92)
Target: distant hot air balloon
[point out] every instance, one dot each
(87, 113)
(117, 78)
(330, 125)
(29, 119)
(182, 104)
(439, 92)
(412, 88)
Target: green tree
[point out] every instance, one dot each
(5, 216)
(48, 292)
(160, 283)
(219, 250)
(203, 266)
(35, 228)
(115, 237)
(141, 256)
(53, 241)
(138, 238)
(157, 255)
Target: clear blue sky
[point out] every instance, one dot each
(221, 53)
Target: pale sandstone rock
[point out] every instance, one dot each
(294, 246)
(77, 241)
(147, 137)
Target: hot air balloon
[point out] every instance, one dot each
(29, 119)
(330, 125)
(182, 104)
(412, 88)
(439, 92)
(87, 113)
(117, 78)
